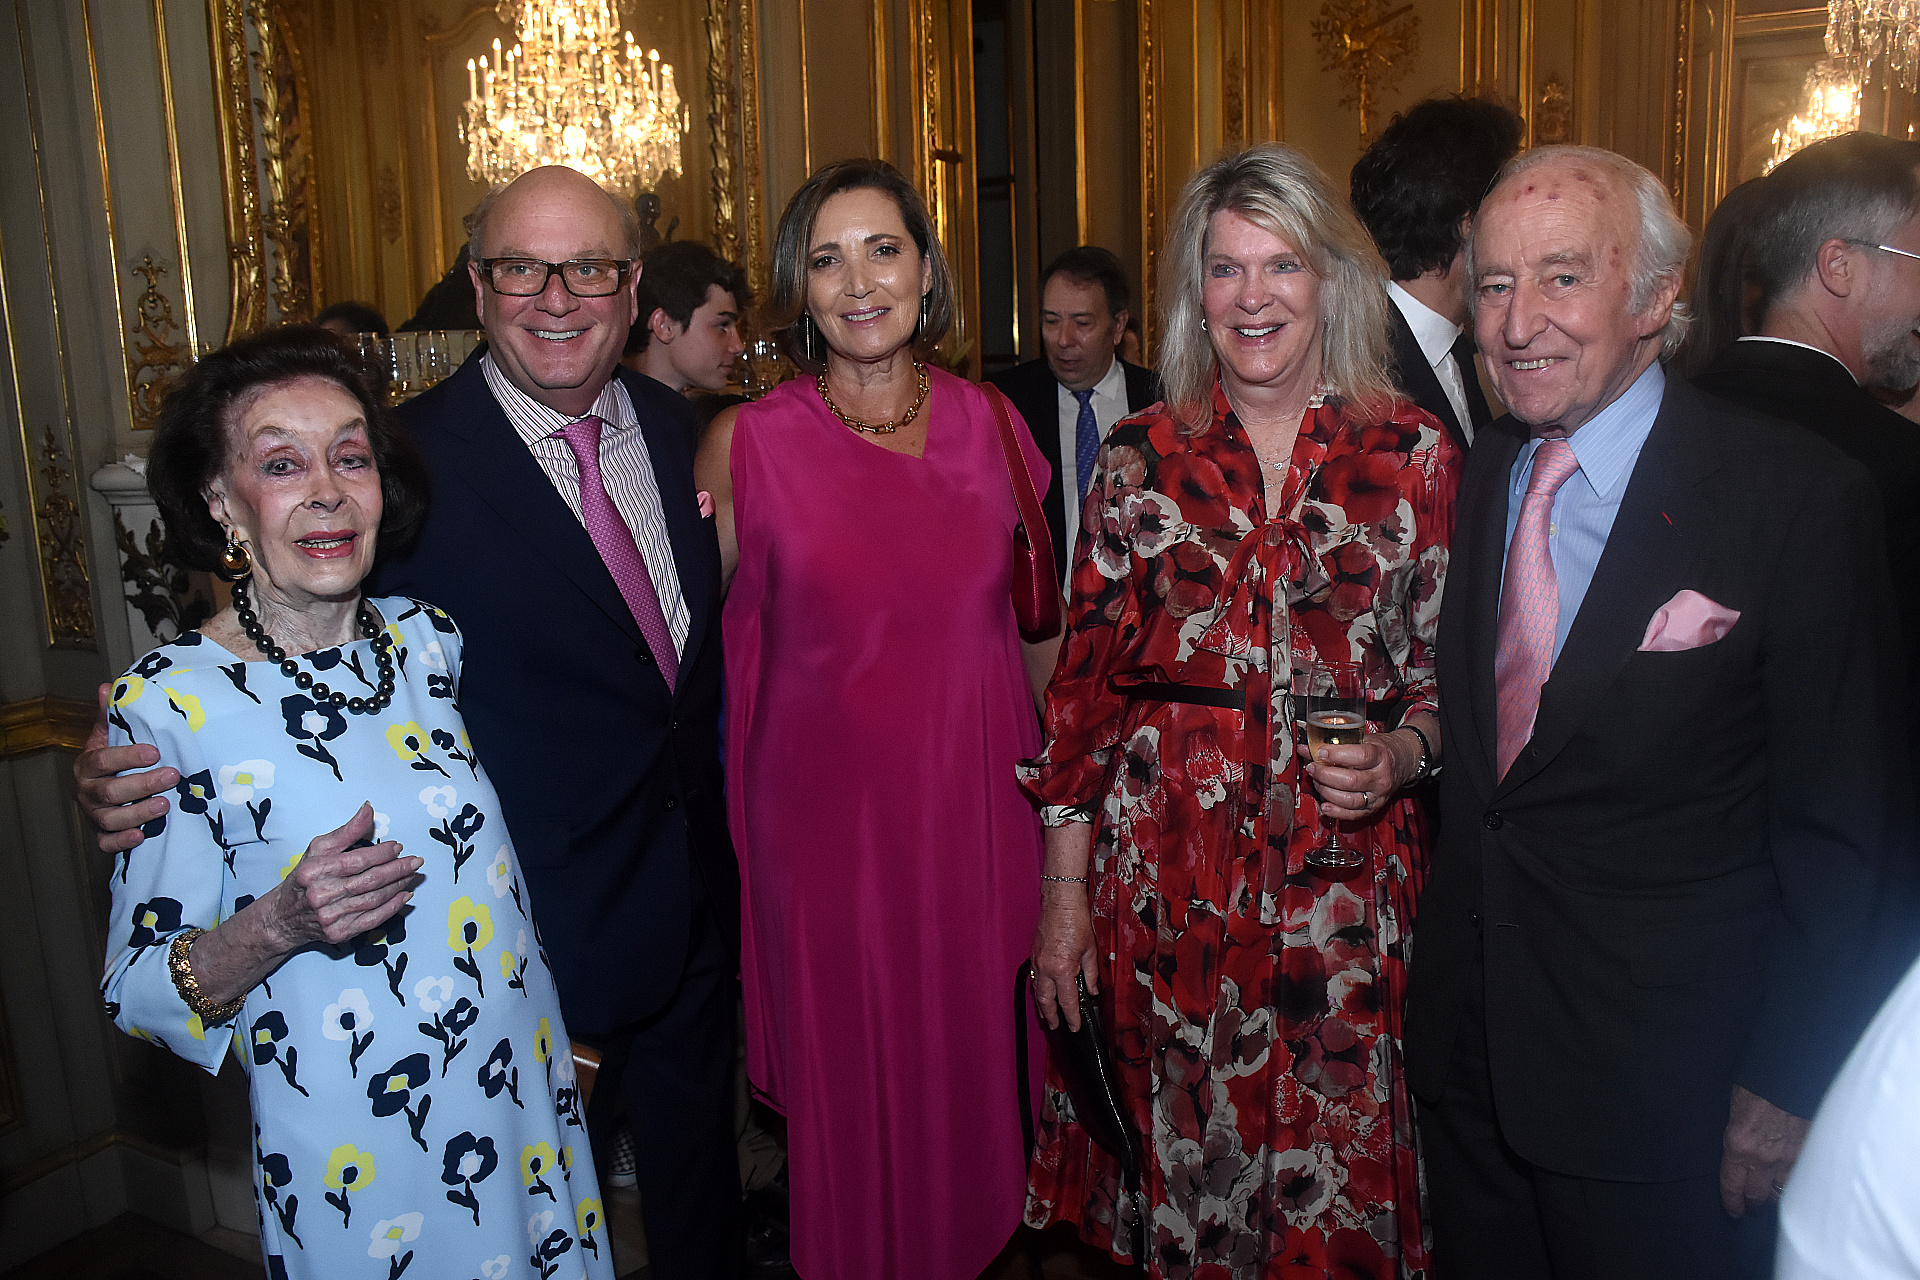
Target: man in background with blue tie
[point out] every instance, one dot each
(1082, 384)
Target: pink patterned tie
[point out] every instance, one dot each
(614, 541)
(1529, 603)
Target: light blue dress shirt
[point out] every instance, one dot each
(1608, 445)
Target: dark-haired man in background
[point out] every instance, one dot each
(688, 333)
(1072, 397)
(1416, 189)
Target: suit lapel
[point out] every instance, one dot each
(497, 466)
(1417, 377)
(1650, 553)
(1480, 557)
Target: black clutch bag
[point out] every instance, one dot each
(1084, 1063)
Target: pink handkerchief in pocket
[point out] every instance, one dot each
(1687, 621)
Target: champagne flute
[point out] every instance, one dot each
(1334, 711)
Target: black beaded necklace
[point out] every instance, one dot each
(322, 695)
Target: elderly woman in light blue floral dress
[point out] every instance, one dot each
(414, 1104)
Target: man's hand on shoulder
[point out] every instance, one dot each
(1761, 1144)
(119, 807)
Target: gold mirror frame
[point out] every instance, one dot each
(266, 134)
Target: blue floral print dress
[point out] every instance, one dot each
(414, 1104)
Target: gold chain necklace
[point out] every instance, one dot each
(880, 428)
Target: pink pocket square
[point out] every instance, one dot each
(1687, 621)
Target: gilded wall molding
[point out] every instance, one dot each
(733, 120)
(1149, 178)
(239, 167)
(720, 128)
(155, 355)
(106, 197)
(44, 724)
(177, 181)
(752, 193)
(1682, 99)
(288, 217)
(271, 218)
(63, 551)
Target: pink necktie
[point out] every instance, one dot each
(1529, 603)
(614, 541)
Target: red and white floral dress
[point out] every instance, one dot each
(1254, 1004)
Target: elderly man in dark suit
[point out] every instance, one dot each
(566, 540)
(1832, 242)
(1072, 398)
(1416, 189)
(1643, 949)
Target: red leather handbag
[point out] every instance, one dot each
(1036, 580)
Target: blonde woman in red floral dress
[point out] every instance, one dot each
(1283, 508)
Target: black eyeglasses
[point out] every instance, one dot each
(583, 277)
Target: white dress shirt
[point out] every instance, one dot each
(625, 467)
(1109, 406)
(1435, 335)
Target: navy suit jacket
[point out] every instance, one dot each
(1035, 392)
(1817, 392)
(1673, 888)
(610, 784)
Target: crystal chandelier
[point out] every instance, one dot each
(573, 90)
(1866, 30)
(1831, 106)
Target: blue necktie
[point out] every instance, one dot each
(1086, 441)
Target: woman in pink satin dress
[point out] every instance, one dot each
(879, 697)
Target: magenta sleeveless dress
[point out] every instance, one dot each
(876, 706)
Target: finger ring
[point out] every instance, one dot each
(1366, 799)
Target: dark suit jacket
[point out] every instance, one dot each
(1817, 392)
(1035, 392)
(609, 783)
(1671, 889)
(1415, 376)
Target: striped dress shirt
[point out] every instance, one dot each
(625, 466)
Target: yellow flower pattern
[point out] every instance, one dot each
(407, 740)
(189, 706)
(469, 924)
(535, 1162)
(349, 1168)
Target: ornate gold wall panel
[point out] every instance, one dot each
(941, 66)
(239, 170)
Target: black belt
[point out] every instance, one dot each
(1196, 694)
(1382, 711)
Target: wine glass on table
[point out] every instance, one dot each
(1333, 709)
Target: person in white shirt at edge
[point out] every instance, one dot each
(1850, 1210)
(1084, 299)
(1416, 190)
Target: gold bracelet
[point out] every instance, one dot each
(211, 1014)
